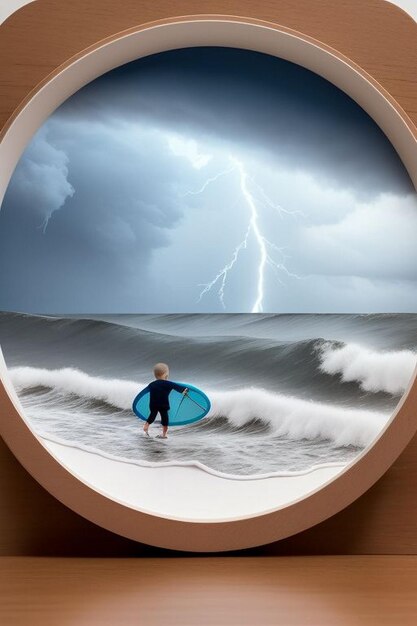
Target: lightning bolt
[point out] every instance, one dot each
(262, 243)
(45, 223)
(254, 227)
(207, 183)
(222, 274)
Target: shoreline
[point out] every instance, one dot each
(187, 492)
(190, 463)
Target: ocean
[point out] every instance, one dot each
(288, 392)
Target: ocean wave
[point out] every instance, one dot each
(69, 381)
(191, 463)
(304, 367)
(297, 419)
(286, 416)
(375, 371)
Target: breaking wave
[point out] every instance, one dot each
(285, 416)
(375, 371)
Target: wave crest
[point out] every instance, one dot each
(375, 371)
(297, 419)
(71, 381)
(285, 416)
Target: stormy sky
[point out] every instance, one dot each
(209, 166)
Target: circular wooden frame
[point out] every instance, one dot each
(357, 477)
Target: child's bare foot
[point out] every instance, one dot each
(146, 428)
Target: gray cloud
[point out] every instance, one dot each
(375, 241)
(288, 114)
(121, 236)
(40, 182)
(96, 251)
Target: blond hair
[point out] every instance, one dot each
(160, 369)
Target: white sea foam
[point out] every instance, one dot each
(118, 393)
(299, 419)
(374, 371)
(191, 463)
(287, 416)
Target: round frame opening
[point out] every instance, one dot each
(273, 523)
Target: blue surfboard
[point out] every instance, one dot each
(184, 409)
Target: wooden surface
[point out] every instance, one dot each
(383, 521)
(377, 35)
(37, 39)
(297, 591)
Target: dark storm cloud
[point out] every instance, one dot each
(40, 181)
(105, 219)
(290, 114)
(94, 221)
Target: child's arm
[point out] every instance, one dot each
(179, 388)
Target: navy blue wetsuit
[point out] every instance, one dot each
(159, 390)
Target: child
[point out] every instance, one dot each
(159, 390)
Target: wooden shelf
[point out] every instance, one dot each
(338, 590)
